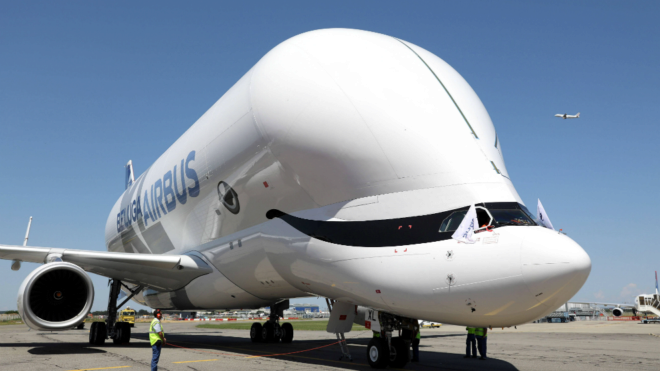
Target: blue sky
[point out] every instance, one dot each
(86, 86)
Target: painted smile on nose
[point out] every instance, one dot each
(386, 232)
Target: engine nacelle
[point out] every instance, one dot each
(55, 296)
(617, 312)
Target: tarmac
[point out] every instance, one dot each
(597, 345)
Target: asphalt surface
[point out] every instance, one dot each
(572, 346)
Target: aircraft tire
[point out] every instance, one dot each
(255, 332)
(92, 333)
(399, 353)
(119, 333)
(97, 333)
(267, 332)
(287, 333)
(378, 355)
(123, 333)
(277, 332)
(127, 333)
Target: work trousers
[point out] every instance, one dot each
(481, 340)
(415, 348)
(156, 356)
(471, 340)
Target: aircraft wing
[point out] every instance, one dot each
(619, 305)
(162, 272)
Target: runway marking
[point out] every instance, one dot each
(100, 368)
(201, 360)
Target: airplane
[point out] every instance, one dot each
(565, 116)
(339, 166)
(645, 303)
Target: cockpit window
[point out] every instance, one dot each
(511, 217)
(452, 222)
(483, 217)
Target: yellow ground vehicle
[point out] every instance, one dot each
(127, 315)
(429, 324)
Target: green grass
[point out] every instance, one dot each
(297, 326)
(11, 322)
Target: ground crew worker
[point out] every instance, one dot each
(415, 345)
(481, 333)
(376, 333)
(471, 340)
(156, 338)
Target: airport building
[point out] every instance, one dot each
(304, 308)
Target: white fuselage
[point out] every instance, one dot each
(332, 128)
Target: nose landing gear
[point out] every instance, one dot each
(384, 350)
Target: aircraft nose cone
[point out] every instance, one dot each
(554, 267)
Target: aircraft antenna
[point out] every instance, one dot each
(16, 264)
(27, 233)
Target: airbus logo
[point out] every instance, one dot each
(162, 196)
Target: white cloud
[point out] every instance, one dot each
(630, 290)
(599, 295)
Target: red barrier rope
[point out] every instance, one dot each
(298, 351)
(257, 356)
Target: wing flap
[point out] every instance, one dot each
(604, 304)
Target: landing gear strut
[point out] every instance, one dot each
(119, 332)
(272, 331)
(341, 339)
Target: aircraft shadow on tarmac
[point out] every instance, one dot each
(221, 344)
(54, 349)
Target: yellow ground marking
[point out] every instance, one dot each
(100, 368)
(201, 360)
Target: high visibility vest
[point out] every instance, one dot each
(419, 335)
(153, 335)
(479, 331)
(376, 334)
(470, 330)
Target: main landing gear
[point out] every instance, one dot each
(391, 351)
(119, 332)
(272, 331)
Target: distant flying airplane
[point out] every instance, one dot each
(565, 116)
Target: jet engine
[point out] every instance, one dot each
(55, 296)
(617, 312)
